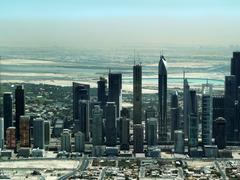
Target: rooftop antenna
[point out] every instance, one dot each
(207, 80)
(109, 70)
(134, 58)
(184, 74)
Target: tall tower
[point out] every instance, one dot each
(20, 108)
(175, 114)
(115, 90)
(137, 94)
(38, 133)
(235, 66)
(207, 120)
(97, 126)
(80, 92)
(7, 110)
(186, 105)
(111, 124)
(162, 99)
(101, 92)
(82, 123)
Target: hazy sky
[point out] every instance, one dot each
(79, 23)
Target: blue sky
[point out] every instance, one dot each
(97, 22)
(72, 9)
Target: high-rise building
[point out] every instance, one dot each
(162, 100)
(178, 141)
(80, 92)
(25, 131)
(47, 133)
(20, 107)
(1, 133)
(193, 108)
(66, 140)
(7, 110)
(175, 114)
(101, 92)
(11, 138)
(82, 123)
(193, 130)
(235, 66)
(137, 94)
(138, 138)
(207, 120)
(97, 126)
(229, 108)
(115, 90)
(152, 131)
(124, 133)
(79, 142)
(186, 105)
(220, 137)
(111, 124)
(38, 133)
(218, 110)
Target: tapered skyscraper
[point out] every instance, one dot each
(137, 94)
(162, 100)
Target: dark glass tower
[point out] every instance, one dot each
(115, 90)
(229, 108)
(137, 94)
(111, 124)
(80, 92)
(7, 111)
(220, 128)
(235, 66)
(20, 107)
(175, 114)
(102, 97)
(162, 100)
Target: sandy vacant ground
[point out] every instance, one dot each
(39, 164)
(25, 61)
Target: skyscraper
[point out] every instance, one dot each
(220, 128)
(193, 131)
(97, 126)
(138, 138)
(79, 142)
(115, 90)
(80, 92)
(101, 92)
(124, 133)
(152, 131)
(137, 94)
(186, 105)
(162, 99)
(82, 123)
(235, 66)
(1, 133)
(111, 124)
(218, 110)
(20, 107)
(229, 107)
(11, 138)
(38, 133)
(47, 134)
(24, 131)
(66, 140)
(175, 114)
(207, 120)
(7, 110)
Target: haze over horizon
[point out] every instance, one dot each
(72, 23)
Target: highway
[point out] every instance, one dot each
(81, 167)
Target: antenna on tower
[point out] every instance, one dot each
(134, 58)
(109, 70)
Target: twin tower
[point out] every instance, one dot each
(162, 98)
